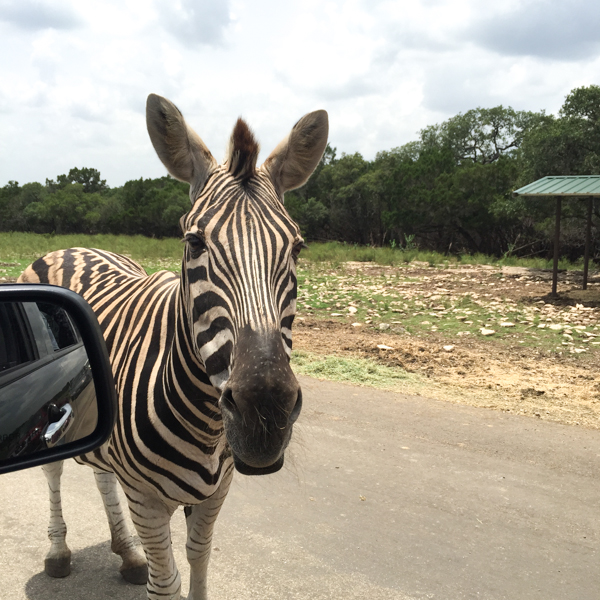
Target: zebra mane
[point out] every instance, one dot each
(243, 151)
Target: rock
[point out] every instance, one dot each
(532, 392)
(555, 327)
(384, 347)
(568, 337)
(425, 322)
(337, 315)
(356, 324)
(507, 324)
(448, 348)
(384, 326)
(485, 331)
(352, 310)
(541, 326)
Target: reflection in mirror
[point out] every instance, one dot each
(47, 395)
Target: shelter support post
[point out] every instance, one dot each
(556, 240)
(588, 235)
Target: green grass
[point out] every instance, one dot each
(337, 253)
(17, 245)
(357, 371)
(20, 249)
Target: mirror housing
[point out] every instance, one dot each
(106, 399)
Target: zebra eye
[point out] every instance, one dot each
(296, 250)
(196, 244)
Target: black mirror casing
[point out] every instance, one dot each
(87, 325)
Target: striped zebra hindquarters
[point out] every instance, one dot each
(201, 362)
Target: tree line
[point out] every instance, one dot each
(450, 190)
(81, 202)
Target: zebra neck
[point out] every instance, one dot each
(187, 389)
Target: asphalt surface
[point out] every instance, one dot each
(383, 497)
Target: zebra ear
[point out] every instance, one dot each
(178, 146)
(297, 155)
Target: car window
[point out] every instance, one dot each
(15, 341)
(58, 325)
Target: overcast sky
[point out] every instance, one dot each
(74, 76)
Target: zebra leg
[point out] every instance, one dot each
(58, 559)
(200, 520)
(134, 568)
(152, 519)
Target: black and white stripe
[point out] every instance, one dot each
(201, 361)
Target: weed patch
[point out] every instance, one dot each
(357, 371)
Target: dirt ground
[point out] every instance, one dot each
(509, 377)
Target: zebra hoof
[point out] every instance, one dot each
(136, 575)
(59, 566)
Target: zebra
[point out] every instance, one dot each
(200, 359)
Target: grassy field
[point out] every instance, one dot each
(402, 304)
(336, 253)
(154, 254)
(20, 249)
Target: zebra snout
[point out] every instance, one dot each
(293, 417)
(227, 402)
(236, 407)
(258, 425)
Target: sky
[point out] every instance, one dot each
(74, 76)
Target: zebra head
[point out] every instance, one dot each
(238, 276)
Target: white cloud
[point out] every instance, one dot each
(194, 22)
(39, 14)
(551, 29)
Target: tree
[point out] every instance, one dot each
(153, 207)
(89, 178)
(64, 211)
(583, 103)
(568, 144)
(481, 135)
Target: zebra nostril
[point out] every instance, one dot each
(296, 410)
(228, 402)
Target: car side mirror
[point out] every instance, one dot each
(57, 394)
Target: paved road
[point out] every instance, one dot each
(385, 497)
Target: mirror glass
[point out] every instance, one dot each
(47, 395)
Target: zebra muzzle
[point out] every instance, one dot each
(260, 402)
(258, 432)
(245, 469)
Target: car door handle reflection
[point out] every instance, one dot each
(55, 431)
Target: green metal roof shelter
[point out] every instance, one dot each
(566, 186)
